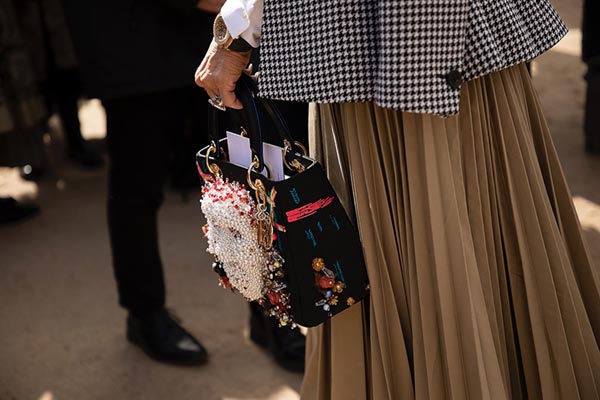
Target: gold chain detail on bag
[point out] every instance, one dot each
(264, 216)
(265, 208)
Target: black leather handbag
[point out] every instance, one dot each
(301, 258)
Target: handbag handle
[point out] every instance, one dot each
(291, 146)
(249, 117)
(246, 91)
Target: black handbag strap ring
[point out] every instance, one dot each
(213, 168)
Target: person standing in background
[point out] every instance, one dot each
(58, 71)
(136, 56)
(22, 111)
(55, 64)
(591, 56)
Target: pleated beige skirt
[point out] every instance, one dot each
(481, 284)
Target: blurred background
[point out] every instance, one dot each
(61, 330)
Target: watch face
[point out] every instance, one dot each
(220, 31)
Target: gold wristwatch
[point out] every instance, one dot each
(224, 39)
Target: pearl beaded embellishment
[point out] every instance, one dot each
(243, 264)
(231, 233)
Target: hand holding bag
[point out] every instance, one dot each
(289, 245)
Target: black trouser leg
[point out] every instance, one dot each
(67, 99)
(138, 130)
(62, 91)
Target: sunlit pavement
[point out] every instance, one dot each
(62, 334)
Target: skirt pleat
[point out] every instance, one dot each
(481, 283)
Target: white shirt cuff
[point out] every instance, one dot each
(244, 19)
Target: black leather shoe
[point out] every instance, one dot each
(286, 345)
(163, 339)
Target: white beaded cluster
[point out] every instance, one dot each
(232, 236)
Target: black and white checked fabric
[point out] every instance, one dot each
(410, 55)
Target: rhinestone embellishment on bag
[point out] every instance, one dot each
(327, 284)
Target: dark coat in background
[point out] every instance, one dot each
(47, 35)
(132, 47)
(22, 111)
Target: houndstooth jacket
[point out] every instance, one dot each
(410, 55)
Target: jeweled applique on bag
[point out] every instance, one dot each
(288, 245)
(244, 261)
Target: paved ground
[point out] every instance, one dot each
(61, 335)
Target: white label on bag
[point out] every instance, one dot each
(273, 156)
(241, 155)
(239, 150)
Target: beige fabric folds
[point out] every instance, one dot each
(482, 287)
